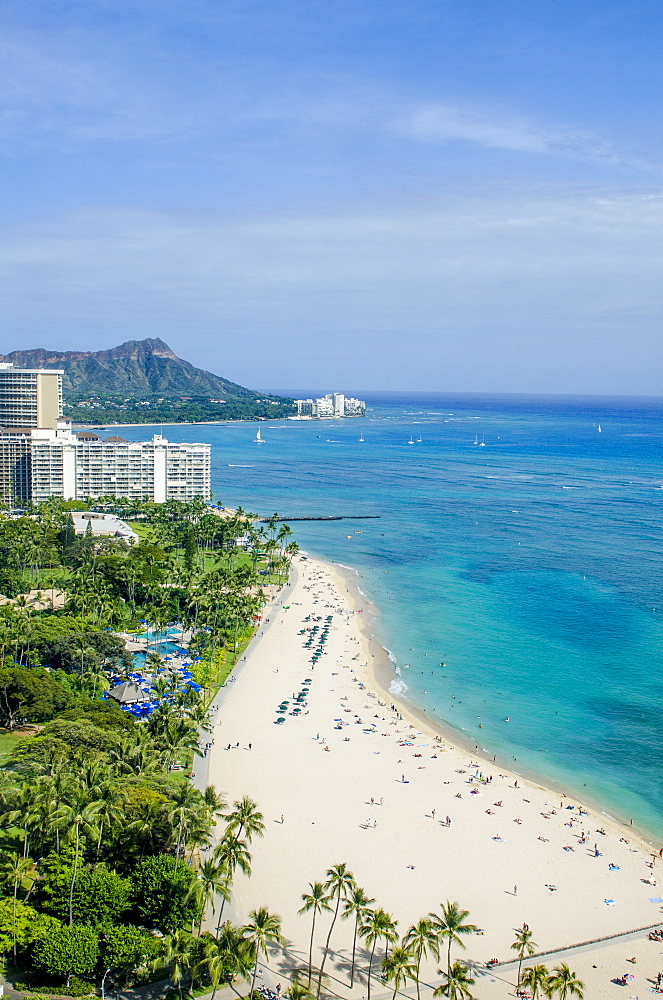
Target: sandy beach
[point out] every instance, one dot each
(357, 778)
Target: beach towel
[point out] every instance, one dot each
(656, 899)
(609, 902)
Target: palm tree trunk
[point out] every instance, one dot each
(73, 882)
(310, 953)
(101, 830)
(449, 958)
(14, 915)
(324, 955)
(354, 952)
(218, 923)
(370, 969)
(255, 973)
(419, 956)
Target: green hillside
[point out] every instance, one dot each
(143, 381)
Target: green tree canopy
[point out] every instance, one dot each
(163, 895)
(30, 925)
(65, 951)
(100, 896)
(124, 947)
(29, 695)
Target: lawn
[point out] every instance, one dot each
(7, 743)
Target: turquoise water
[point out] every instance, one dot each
(531, 567)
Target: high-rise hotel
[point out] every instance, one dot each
(41, 456)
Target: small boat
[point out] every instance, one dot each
(482, 442)
(258, 438)
(599, 428)
(411, 441)
(419, 439)
(361, 438)
(476, 438)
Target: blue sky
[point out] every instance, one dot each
(460, 195)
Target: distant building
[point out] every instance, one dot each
(102, 525)
(43, 462)
(30, 397)
(333, 404)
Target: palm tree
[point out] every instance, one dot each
(215, 803)
(398, 967)
(13, 871)
(213, 879)
(246, 819)
(185, 813)
(376, 924)
(226, 956)
(178, 951)
(422, 938)
(565, 983)
(298, 992)
(457, 983)
(536, 977)
(523, 945)
(73, 814)
(450, 925)
(339, 885)
(264, 928)
(317, 901)
(232, 853)
(355, 905)
(111, 797)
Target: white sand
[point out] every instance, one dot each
(410, 861)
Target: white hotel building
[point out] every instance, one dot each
(38, 462)
(334, 404)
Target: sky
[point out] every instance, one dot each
(452, 195)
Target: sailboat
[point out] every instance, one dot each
(476, 438)
(361, 438)
(411, 441)
(419, 439)
(599, 428)
(258, 438)
(482, 442)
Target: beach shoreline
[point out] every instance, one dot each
(348, 779)
(383, 671)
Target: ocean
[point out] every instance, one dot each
(516, 566)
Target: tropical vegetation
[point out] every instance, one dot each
(114, 868)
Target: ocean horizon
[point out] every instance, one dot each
(515, 565)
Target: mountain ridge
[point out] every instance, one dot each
(144, 381)
(138, 368)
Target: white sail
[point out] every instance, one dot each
(258, 437)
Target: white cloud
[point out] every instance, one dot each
(504, 284)
(442, 123)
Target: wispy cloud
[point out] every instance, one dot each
(443, 123)
(520, 283)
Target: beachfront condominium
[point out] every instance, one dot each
(333, 404)
(30, 397)
(39, 463)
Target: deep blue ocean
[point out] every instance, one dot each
(531, 565)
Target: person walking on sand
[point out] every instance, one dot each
(515, 890)
(282, 820)
(432, 812)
